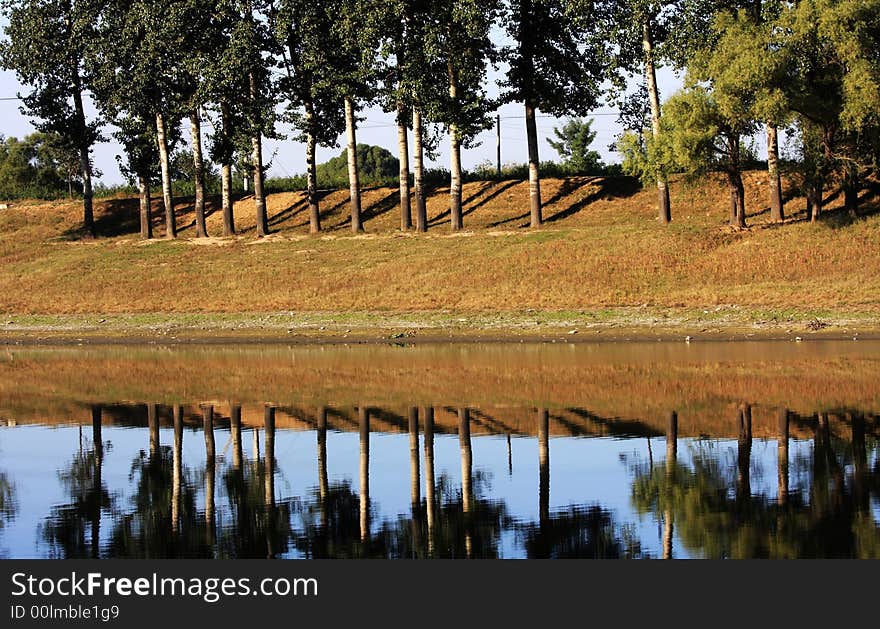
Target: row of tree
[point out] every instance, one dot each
(241, 67)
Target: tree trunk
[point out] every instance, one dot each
(226, 178)
(534, 167)
(195, 127)
(777, 212)
(146, 210)
(455, 157)
(419, 172)
(85, 162)
(312, 172)
(257, 165)
(164, 162)
(654, 98)
(851, 186)
(354, 182)
(403, 150)
(815, 201)
(737, 200)
(259, 194)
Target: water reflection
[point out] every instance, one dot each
(741, 477)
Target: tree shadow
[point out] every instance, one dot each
(614, 187)
(292, 211)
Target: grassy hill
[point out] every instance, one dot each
(601, 261)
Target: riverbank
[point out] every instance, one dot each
(600, 268)
(612, 325)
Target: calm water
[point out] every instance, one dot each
(552, 451)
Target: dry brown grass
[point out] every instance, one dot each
(594, 389)
(601, 248)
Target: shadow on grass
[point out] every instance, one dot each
(613, 187)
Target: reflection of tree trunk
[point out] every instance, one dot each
(782, 457)
(98, 445)
(208, 423)
(744, 454)
(860, 463)
(235, 433)
(415, 496)
(509, 456)
(177, 468)
(269, 427)
(671, 462)
(153, 424)
(428, 413)
(255, 454)
(544, 466)
(364, 417)
(97, 439)
(415, 483)
(210, 471)
(323, 483)
(467, 494)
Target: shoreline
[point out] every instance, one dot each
(426, 328)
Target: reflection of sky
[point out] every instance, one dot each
(583, 472)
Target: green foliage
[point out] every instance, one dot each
(552, 66)
(40, 165)
(573, 143)
(376, 165)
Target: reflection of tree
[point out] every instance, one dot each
(582, 532)
(717, 516)
(260, 525)
(73, 530)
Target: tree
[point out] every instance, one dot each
(353, 42)
(46, 46)
(701, 131)
(458, 38)
(300, 28)
(553, 68)
(573, 143)
(640, 30)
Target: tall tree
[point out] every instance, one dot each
(459, 38)
(300, 28)
(639, 30)
(554, 68)
(46, 45)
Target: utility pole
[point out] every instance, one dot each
(498, 144)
